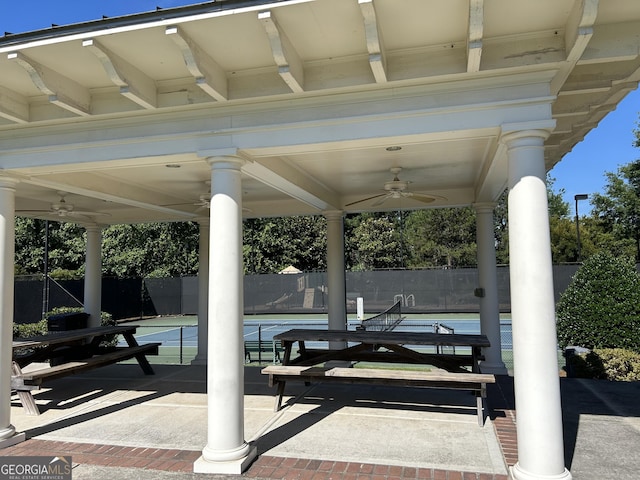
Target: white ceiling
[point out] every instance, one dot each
(311, 93)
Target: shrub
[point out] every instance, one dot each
(601, 306)
(106, 320)
(615, 364)
(22, 330)
(65, 274)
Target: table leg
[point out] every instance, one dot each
(141, 358)
(475, 365)
(279, 394)
(287, 352)
(25, 396)
(481, 404)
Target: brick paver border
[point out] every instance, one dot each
(279, 468)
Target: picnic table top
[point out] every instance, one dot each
(393, 337)
(62, 337)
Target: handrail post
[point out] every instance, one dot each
(181, 337)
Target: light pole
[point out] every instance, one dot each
(580, 196)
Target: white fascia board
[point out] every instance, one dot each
(98, 32)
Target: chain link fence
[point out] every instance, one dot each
(418, 291)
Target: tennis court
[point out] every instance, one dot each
(179, 334)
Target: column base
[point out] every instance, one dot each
(199, 360)
(14, 440)
(495, 368)
(517, 473)
(228, 467)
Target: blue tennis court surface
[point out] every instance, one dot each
(177, 331)
(178, 335)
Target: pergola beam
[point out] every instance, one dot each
(475, 34)
(134, 85)
(279, 175)
(107, 197)
(210, 77)
(375, 46)
(613, 43)
(289, 63)
(62, 91)
(13, 106)
(578, 33)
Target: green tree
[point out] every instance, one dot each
(601, 306)
(442, 237)
(375, 242)
(618, 209)
(29, 255)
(564, 245)
(150, 250)
(501, 229)
(271, 244)
(66, 248)
(558, 208)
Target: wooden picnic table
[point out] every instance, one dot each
(316, 365)
(70, 352)
(386, 347)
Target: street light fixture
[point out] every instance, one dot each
(580, 196)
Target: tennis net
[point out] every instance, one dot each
(385, 321)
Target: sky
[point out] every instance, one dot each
(604, 149)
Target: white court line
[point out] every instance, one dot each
(263, 329)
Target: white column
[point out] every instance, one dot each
(93, 275)
(203, 292)
(8, 434)
(537, 384)
(488, 277)
(226, 451)
(335, 271)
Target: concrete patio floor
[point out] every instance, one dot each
(117, 423)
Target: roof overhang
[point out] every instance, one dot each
(316, 96)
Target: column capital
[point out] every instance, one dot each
(8, 182)
(333, 214)
(484, 207)
(92, 227)
(226, 162)
(522, 138)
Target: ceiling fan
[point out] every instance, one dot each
(63, 210)
(204, 202)
(397, 188)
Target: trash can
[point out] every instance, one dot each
(62, 322)
(67, 321)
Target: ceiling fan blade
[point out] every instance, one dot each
(423, 197)
(78, 218)
(380, 201)
(88, 214)
(366, 199)
(33, 212)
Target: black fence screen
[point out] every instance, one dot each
(418, 291)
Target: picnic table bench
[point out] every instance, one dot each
(260, 347)
(82, 349)
(318, 365)
(474, 382)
